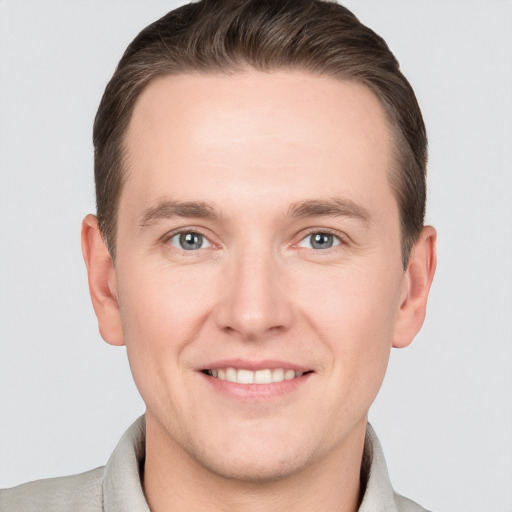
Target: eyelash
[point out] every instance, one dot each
(166, 239)
(337, 239)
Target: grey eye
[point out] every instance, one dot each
(189, 241)
(319, 241)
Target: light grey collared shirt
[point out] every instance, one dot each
(117, 486)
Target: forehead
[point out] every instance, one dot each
(278, 128)
(257, 100)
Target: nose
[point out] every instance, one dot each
(254, 301)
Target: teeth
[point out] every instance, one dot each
(263, 377)
(277, 375)
(289, 374)
(242, 376)
(231, 374)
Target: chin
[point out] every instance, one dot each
(253, 451)
(262, 467)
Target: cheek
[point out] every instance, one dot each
(358, 299)
(162, 311)
(161, 305)
(353, 309)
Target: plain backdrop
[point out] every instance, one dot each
(444, 414)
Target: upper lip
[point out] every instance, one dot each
(253, 365)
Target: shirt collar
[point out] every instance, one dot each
(379, 495)
(122, 482)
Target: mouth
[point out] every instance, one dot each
(262, 376)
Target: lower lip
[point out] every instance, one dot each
(252, 392)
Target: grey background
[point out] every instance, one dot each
(444, 415)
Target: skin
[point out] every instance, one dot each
(260, 150)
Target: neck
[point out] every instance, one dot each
(176, 482)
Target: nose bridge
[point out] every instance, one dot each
(253, 302)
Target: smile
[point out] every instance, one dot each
(264, 376)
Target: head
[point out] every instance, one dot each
(260, 179)
(230, 36)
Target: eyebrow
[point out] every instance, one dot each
(170, 209)
(333, 207)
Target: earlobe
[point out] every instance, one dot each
(417, 282)
(102, 282)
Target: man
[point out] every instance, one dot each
(259, 247)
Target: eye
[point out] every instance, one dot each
(189, 241)
(319, 241)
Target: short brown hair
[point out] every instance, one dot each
(318, 36)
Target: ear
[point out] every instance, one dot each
(102, 282)
(417, 280)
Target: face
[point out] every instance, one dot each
(258, 272)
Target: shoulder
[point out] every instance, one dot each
(406, 505)
(77, 493)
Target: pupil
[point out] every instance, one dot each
(321, 241)
(191, 241)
